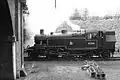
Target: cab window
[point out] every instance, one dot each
(89, 36)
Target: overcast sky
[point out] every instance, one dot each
(43, 14)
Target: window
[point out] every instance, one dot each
(110, 38)
(89, 36)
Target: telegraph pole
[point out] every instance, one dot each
(55, 4)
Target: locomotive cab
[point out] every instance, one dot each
(109, 41)
(106, 41)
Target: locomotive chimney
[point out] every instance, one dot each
(41, 31)
(51, 33)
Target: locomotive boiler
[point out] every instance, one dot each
(87, 43)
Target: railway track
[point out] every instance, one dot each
(113, 58)
(106, 59)
(74, 59)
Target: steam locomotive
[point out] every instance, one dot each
(85, 43)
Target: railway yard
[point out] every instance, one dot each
(69, 69)
(65, 43)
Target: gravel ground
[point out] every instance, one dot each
(68, 70)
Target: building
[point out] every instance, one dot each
(11, 39)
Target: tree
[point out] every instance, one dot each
(95, 18)
(117, 16)
(85, 14)
(76, 15)
(107, 17)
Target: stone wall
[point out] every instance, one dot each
(15, 10)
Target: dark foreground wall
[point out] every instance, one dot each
(6, 32)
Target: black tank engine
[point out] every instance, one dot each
(87, 43)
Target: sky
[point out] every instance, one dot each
(43, 14)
